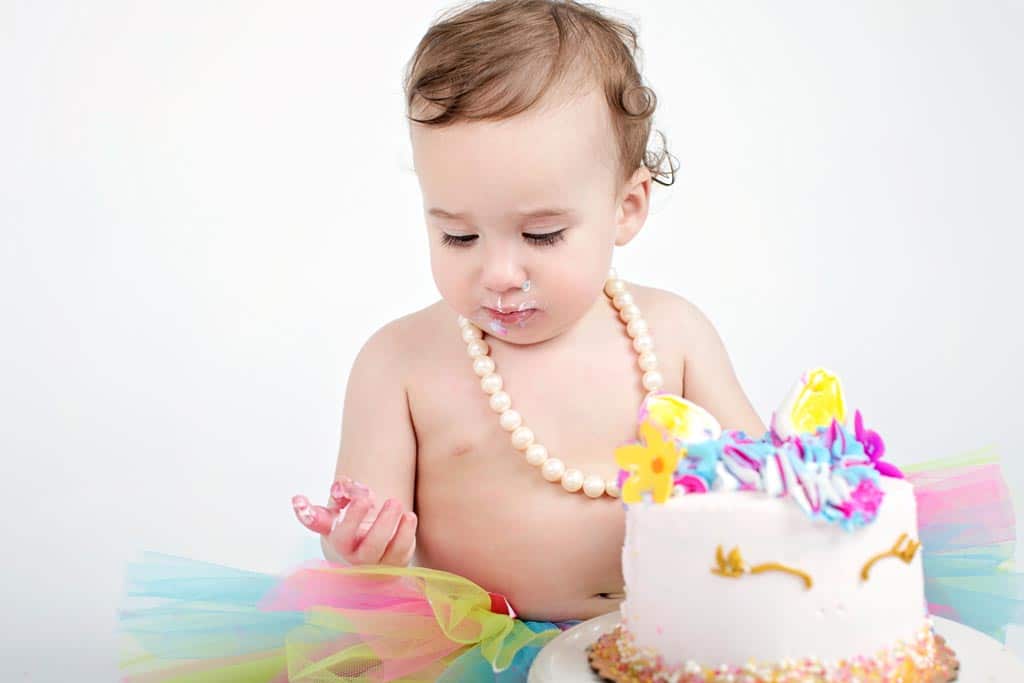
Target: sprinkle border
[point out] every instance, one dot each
(926, 659)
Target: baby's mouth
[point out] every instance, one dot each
(517, 317)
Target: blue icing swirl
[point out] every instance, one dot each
(828, 473)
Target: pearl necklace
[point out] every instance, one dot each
(553, 469)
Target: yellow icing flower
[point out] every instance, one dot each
(651, 464)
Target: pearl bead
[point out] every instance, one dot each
(522, 437)
(552, 469)
(614, 287)
(627, 313)
(491, 383)
(647, 361)
(643, 342)
(483, 365)
(593, 486)
(500, 401)
(636, 326)
(612, 274)
(477, 347)
(572, 480)
(536, 454)
(653, 380)
(510, 419)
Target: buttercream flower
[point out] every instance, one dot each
(651, 464)
(874, 448)
(684, 420)
(864, 501)
(691, 483)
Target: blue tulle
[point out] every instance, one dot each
(471, 666)
(978, 586)
(180, 610)
(186, 609)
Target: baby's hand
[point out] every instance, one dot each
(351, 530)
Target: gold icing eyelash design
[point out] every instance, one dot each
(732, 566)
(903, 549)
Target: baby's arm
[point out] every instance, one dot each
(376, 462)
(708, 376)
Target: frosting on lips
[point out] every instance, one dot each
(498, 318)
(512, 317)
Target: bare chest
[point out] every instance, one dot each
(477, 497)
(579, 403)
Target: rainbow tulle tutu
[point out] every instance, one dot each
(186, 621)
(967, 528)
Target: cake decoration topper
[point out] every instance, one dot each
(684, 420)
(809, 454)
(733, 566)
(651, 464)
(814, 402)
(903, 549)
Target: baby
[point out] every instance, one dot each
(478, 433)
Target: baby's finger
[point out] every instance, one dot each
(314, 517)
(345, 533)
(345, 490)
(399, 551)
(370, 549)
(339, 499)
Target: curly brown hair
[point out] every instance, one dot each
(493, 60)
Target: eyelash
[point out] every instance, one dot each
(545, 240)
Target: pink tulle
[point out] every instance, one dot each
(964, 507)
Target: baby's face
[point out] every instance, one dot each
(536, 197)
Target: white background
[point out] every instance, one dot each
(205, 209)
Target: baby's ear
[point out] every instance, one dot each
(631, 212)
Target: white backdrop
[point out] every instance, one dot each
(206, 209)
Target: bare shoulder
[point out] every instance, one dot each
(708, 377)
(671, 314)
(395, 346)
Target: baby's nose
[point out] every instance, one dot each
(501, 276)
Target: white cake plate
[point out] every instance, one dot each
(982, 659)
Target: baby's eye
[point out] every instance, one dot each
(546, 238)
(457, 240)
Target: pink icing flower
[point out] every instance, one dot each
(835, 433)
(864, 499)
(874, 448)
(776, 438)
(691, 483)
(867, 496)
